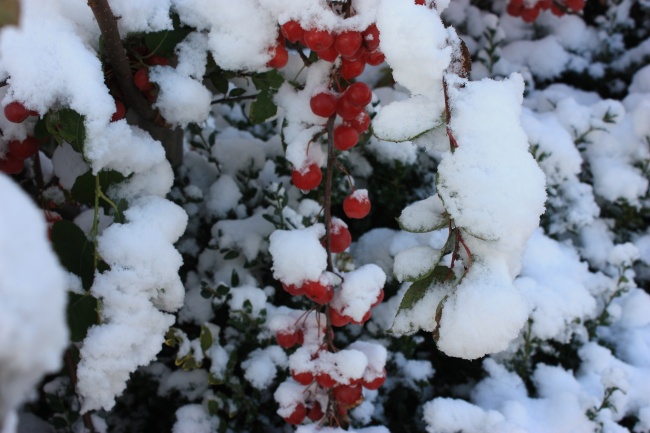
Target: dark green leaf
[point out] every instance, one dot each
(207, 294)
(75, 251)
(416, 292)
(236, 92)
(232, 254)
(163, 43)
(83, 189)
(68, 125)
(268, 80)
(234, 279)
(82, 314)
(223, 290)
(206, 338)
(262, 108)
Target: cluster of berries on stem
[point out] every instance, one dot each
(529, 11)
(17, 151)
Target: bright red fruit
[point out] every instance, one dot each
(23, 149)
(361, 122)
(575, 5)
(359, 94)
(293, 31)
(340, 237)
(347, 394)
(323, 104)
(338, 319)
(16, 112)
(286, 339)
(141, 79)
(325, 380)
(280, 58)
(11, 164)
(292, 289)
(356, 206)
(375, 58)
(329, 55)
(120, 111)
(419, 2)
(156, 60)
(380, 298)
(346, 110)
(529, 14)
(318, 292)
(307, 179)
(352, 68)
(316, 412)
(318, 40)
(345, 137)
(303, 378)
(347, 43)
(371, 37)
(514, 9)
(298, 414)
(376, 382)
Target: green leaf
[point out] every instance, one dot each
(75, 251)
(206, 338)
(262, 108)
(83, 189)
(268, 80)
(213, 407)
(82, 314)
(408, 262)
(223, 290)
(236, 92)
(416, 292)
(68, 125)
(163, 43)
(234, 279)
(232, 254)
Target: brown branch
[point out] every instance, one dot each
(117, 58)
(234, 99)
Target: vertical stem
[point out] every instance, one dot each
(331, 158)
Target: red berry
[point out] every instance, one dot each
(280, 57)
(23, 149)
(318, 40)
(555, 10)
(318, 292)
(514, 9)
(345, 137)
(356, 205)
(544, 4)
(371, 37)
(325, 380)
(16, 112)
(361, 122)
(120, 111)
(292, 30)
(298, 414)
(303, 378)
(307, 179)
(375, 58)
(338, 319)
(346, 110)
(340, 237)
(352, 68)
(529, 14)
(323, 104)
(329, 55)
(292, 289)
(347, 394)
(141, 79)
(360, 54)
(11, 165)
(419, 2)
(347, 43)
(316, 412)
(359, 94)
(376, 382)
(286, 339)
(575, 5)
(156, 60)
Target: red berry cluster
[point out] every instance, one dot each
(17, 151)
(517, 8)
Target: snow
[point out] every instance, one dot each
(298, 255)
(33, 327)
(194, 418)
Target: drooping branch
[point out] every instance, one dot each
(117, 58)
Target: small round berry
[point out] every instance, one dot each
(375, 58)
(303, 377)
(359, 94)
(346, 110)
(380, 298)
(352, 68)
(316, 412)
(280, 58)
(16, 112)
(318, 292)
(120, 111)
(329, 55)
(340, 237)
(347, 394)
(293, 289)
(360, 123)
(371, 37)
(156, 60)
(141, 79)
(11, 164)
(307, 179)
(337, 319)
(347, 43)
(323, 104)
(318, 40)
(293, 31)
(23, 149)
(298, 414)
(357, 205)
(376, 382)
(420, 2)
(345, 137)
(575, 5)
(325, 380)
(529, 14)
(286, 339)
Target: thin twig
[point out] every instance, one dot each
(226, 100)
(120, 63)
